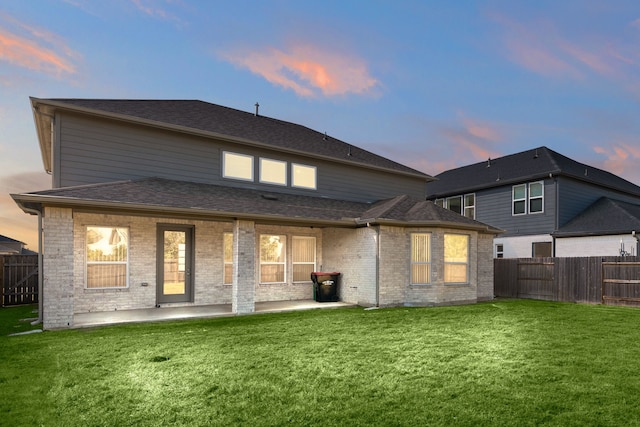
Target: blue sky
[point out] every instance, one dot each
(431, 84)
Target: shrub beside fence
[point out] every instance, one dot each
(19, 279)
(609, 280)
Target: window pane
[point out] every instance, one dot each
(106, 276)
(420, 248)
(469, 200)
(273, 171)
(302, 272)
(440, 202)
(518, 207)
(519, 192)
(456, 248)
(107, 244)
(303, 176)
(535, 205)
(421, 273)
(455, 204)
(237, 166)
(272, 248)
(535, 189)
(272, 273)
(455, 273)
(228, 258)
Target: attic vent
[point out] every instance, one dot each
(489, 162)
(269, 197)
(535, 156)
(257, 107)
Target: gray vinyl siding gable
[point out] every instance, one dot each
(92, 150)
(493, 207)
(575, 196)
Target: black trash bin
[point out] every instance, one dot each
(325, 286)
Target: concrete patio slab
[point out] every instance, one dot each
(101, 318)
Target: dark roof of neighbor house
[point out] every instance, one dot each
(5, 239)
(604, 217)
(166, 197)
(537, 163)
(216, 120)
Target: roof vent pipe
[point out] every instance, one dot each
(257, 106)
(489, 162)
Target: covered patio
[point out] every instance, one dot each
(102, 318)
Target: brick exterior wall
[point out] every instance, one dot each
(374, 263)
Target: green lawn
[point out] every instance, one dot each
(513, 363)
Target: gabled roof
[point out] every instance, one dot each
(164, 197)
(5, 239)
(528, 165)
(211, 120)
(604, 217)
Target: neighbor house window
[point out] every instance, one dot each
(273, 171)
(456, 258)
(439, 202)
(499, 250)
(536, 197)
(519, 199)
(470, 206)
(303, 176)
(420, 258)
(304, 257)
(455, 204)
(237, 166)
(228, 258)
(107, 252)
(541, 249)
(272, 258)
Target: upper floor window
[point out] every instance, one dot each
(107, 252)
(470, 206)
(237, 166)
(273, 171)
(420, 258)
(528, 198)
(456, 258)
(303, 176)
(499, 250)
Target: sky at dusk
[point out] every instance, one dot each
(430, 84)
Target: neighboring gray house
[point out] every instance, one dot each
(547, 203)
(9, 246)
(161, 203)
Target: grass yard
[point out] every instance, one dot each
(513, 363)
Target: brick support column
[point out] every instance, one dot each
(244, 261)
(57, 264)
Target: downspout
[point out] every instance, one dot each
(40, 272)
(378, 266)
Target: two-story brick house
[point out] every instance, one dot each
(547, 203)
(160, 203)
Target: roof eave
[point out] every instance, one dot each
(430, 223)
(30, 202)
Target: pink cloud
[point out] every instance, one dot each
(151, 8)
(307, 70)
(35, 49)
(621, 159)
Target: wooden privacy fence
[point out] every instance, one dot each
(608, 280)
(19, 279)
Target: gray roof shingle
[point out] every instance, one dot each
(225, 121)
(215, 201)
(604, 217)
(532, 164)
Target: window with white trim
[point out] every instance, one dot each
(470, 206)
(272, 258)
(536, 197)
(237, 166)
(499, 250)
(519, 197)
(228, 258)
(420, 258)
(456, 258)
(303, 176)
(273, 171)
(303, 253)
(107, 257)
(455, 204)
